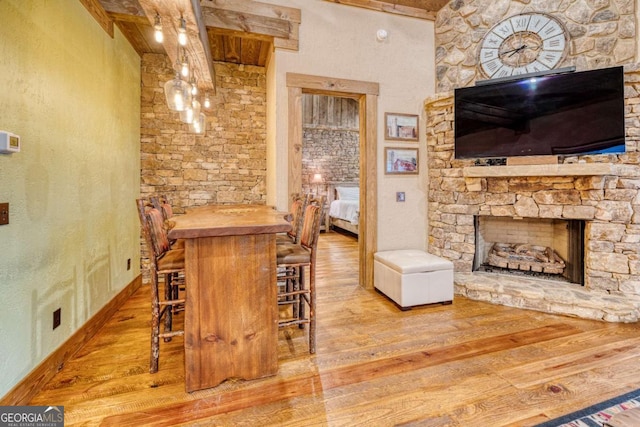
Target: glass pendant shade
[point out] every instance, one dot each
(184, 68)
(182, 32)
(157, 29)
(178, 94)
(199, 125)
(191, 113)
(158, 35)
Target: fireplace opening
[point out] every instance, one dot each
(545, 248)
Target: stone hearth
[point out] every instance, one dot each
(601, 190)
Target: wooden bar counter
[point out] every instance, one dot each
(231, 315)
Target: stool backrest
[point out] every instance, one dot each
(153, 229)
(311, 225)
(297, 210)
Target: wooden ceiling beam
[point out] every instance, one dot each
(100, 15)
(386, 6)
(252, 17)
(252, 7)
(134, 19)
(123, 7)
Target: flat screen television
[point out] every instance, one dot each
(560, 114)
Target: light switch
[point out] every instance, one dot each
(400, 196)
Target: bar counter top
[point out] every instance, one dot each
(228, 220)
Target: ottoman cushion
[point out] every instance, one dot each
(407, 261)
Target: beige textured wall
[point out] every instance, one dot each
(340, 41)
(73, 94)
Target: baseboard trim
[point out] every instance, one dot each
(24, 391)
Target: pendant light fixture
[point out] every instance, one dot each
(177, 93)
(200, 123)
(184, 64)
(194, 85)
(182, 32)
(157, 29)
(191, 113)
(207, 101)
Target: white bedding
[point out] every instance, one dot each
(345, 209)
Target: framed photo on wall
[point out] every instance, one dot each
(401, 127)
(401, 161)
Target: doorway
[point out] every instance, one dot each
(366, 94)
(331, 157)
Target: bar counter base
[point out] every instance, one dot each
(231, 318)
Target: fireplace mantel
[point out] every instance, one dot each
(569, 169)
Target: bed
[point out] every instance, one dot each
(344, 206)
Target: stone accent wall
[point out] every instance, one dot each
(602, 34)
(610, 205)
(334, 153)
(227, 164)
(331, 140)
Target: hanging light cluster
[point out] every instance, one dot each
(180, 92)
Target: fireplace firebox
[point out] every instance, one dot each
(545, 248)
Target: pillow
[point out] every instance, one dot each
(348, 193)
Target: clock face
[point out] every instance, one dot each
(525, 43)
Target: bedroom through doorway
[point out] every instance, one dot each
(331, 158)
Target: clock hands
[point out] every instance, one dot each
(514, 51)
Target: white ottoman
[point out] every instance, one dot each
(412, 277)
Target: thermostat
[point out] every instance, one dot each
(9, 142)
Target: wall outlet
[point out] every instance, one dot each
(128, 264)
(57, 318)
(400, 196)
(4, 213)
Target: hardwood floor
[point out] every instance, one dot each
(465, 364)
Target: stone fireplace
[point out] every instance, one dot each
(600, 192)
(546, 248)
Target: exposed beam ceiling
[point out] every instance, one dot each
(197, 49)
(236, 31)
(422, 9)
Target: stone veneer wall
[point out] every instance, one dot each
(609, 204)
(335, 153)
(331, 140)
(602, 34)
(225, 165)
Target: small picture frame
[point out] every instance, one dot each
(401, 161)
(401, 127)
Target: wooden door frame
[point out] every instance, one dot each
(366, 93)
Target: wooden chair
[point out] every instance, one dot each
(292, 258)
(162, 204)
(168, 264)
(298, 207)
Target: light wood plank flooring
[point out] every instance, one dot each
(465, 364)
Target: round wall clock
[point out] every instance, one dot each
(524, 43)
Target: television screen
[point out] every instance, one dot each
(561, 114)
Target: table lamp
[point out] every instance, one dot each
(317, 180)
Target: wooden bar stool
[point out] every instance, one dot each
(298, 207)
(168, 264)
(292, 258)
